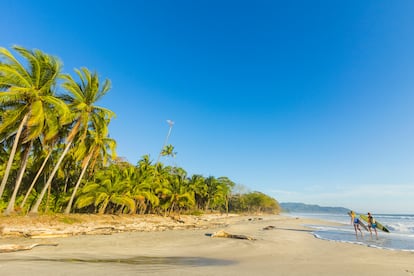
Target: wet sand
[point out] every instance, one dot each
(287, 248)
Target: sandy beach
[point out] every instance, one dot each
(184, 246)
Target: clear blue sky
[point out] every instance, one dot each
(307, 101)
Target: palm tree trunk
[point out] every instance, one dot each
(10, 206)
(12, 154)
(227, 205)
(102, 209)
(49, 191)
(207, 205)
(35, 179)
(172, 208)
(69, 207)
(35, 208)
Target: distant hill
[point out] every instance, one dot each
(293, 207)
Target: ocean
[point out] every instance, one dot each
(401, 236)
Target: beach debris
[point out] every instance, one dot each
(270, 227)
(47, 236)
(223, 234)
(177, 218)
(7, 248)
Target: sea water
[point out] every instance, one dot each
(401, 236)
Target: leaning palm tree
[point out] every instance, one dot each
(47, 153)
(82, 98)
(27, 98)
(99, 146)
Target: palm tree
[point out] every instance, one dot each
(222, 194)
(23, 203)
(168, 150)
(143, 187)
(82, 99)
(99, 145)
(26, 152)
(109, 186)
(180, 195)
(211, 183)
(28, 98)
(198, 185)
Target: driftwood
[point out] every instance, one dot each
(223, 234)
(46, 236)
(270, 227)
(6, 248)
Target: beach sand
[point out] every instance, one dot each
(287, 248)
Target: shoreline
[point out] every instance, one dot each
(286, 248)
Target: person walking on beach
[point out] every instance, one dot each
(372, 224)
(355, 222)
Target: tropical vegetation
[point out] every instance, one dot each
(56, 153)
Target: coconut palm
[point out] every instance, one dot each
(82, 99)
(27, 97)
(198, 185)
(168, 150)
(26, 152)
(108, 187)
(180, 196)
(143, 188)
(48, 153)
(98, 146)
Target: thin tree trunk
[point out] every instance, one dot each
(66, 184)
(10, 206)
(69, 207)
(172, 208)
(12, 154)
(227, 205)
(35, 179)
(35, 208)
(207, 205)
(102, 209)
(49, 190)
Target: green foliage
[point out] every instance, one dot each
(66, 136)
(255, 202)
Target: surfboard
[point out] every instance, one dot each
(379, 225)
(360, 222)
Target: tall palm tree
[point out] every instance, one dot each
(98, 146)
(82, 99)
(27, 94)
(168, 150)
(48, 153)
(26, 152)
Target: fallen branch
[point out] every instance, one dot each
(223, 234)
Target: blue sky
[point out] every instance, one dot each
(307, 101)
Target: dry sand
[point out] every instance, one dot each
(287, 249)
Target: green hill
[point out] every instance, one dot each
(294, 207)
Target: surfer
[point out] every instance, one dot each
(355, 221)
(372, 224)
